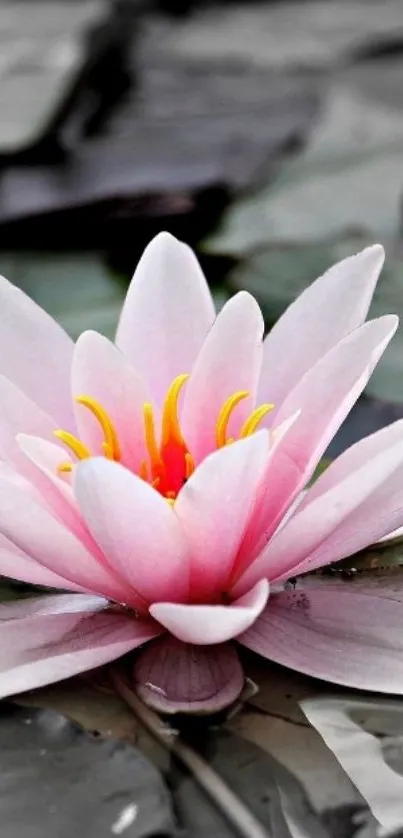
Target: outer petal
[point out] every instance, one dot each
(54, 490)
(100, 370)
(319, 318)
(16, 564)
(173, 677)
(207, 624)
(41, 649)
(345, 637)
(325, 396)
(39, 606)
(229, 361)
(136, 529)
(18, 414)
(167, 314)
(214, 508)
(36, 532)
(35, 353)
(343, 519)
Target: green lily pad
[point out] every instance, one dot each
(76, 288)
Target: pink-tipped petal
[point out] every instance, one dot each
(214, 508)
(324, 396)
(102, 372)
(209, 624)
(35, 353)
(342, 636)
(16, 564)
(230, 360)
(167, 314)
(36, 532)
(173, 677)
(18, 414)
(354, 512)
(320, 317)
(136, 529)
(42, 649)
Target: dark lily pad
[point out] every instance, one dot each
(56, 779)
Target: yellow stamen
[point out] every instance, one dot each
(189, 465)
(171, 501)
(76, 446)
(225, 415)
(65, 468)
(151, 440)
(110, 447)
(251, 424)
(170, 422)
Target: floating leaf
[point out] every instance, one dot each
(56, 779)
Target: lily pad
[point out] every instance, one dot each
(347, 179)
(76, 289)
(318, 33)
(57, 779)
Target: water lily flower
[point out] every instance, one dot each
(160, 484)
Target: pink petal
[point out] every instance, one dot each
(18, 414)
(347, 516)
(39, 606)
(36, 532)
(57, 494)
(173, 677)
(341, 636)
(209, 624)
(214, 508)
(324, 396)
(319, 318)
(16, 564)
(229, 361)
(35, 353)
(136, 529)
(42, 649)
(101, 371)
(167, 314)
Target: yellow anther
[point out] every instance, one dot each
(251, 424)
(171, 501)
(225, 415)
(65, 468)
(170, 422)
(110, 446)
(151, 440)
(189, 466)
(76, 446)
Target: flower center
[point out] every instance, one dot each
(169, 462)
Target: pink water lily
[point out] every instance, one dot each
(160, 484)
